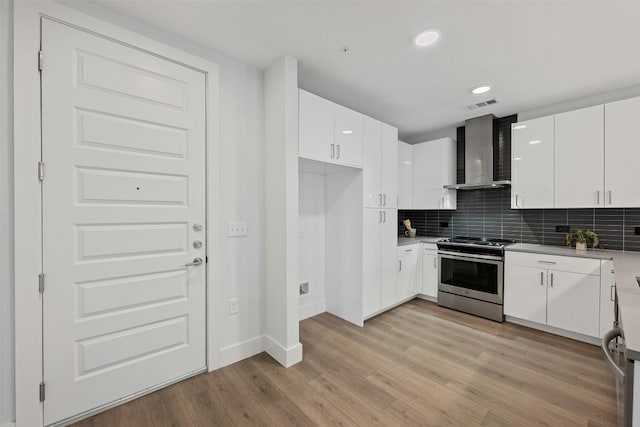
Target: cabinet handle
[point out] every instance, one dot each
(338, 151)
(546, 262)
(385, 200)
(609, 194)
(542, 278)
(597, 197)
(435, 263)
(408, 250)
(379, 217)
(517, 204)
(612, 293)
(333, 150)
(384, 216)
(551, 274)
(399, 265)
(442, 204)
(379, 199)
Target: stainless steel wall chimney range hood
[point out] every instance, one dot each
(478, 155)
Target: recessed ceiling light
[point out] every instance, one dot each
(426, 38)
(347, 132)
(480, 89)
(518, 127)
(535, 141)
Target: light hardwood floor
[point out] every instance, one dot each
(418, 364)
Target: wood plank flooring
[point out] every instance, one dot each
(418, 364)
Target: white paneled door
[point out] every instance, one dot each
(123, 194)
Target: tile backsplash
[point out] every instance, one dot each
(488, 213)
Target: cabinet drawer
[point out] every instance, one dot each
(554, 262)
(429, 248)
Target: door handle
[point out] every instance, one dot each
(333, 150)
(196, 262)
(338, 151)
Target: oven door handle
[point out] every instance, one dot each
(606, 340)
(465, 255)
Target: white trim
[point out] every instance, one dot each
(28, 260)
(553, 330)
(285, 356)
(237, 352)
(10, 425)
(427, 298)
(390, 307)
(313, 309)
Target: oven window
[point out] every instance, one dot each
(474, 275)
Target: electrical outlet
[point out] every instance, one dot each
(563, 228)
(304, 288)
(237, 229)
(234, 306)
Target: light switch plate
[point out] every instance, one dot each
(237, 229)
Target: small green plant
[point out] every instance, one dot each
(583, 236)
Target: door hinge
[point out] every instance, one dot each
(42, 394)
(41, 170)
(41, 282)
(40, 60)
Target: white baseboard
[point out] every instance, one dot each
(285, 356)
(237, 352)
(427, 298)
(555, 331)
(313, 309)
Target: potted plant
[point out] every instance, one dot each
(582, 239)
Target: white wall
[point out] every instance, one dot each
(7, 378)
(281, 211)
(239, 267)
(311, 248)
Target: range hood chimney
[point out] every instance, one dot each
(478, 155)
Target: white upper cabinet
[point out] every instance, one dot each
(532, 164)
(622, 153)
(433, 167)
(329, 132)
(379, 174)
(389, 166)
(405, 175)
(348, 130)
(579, 150)
(315, 123)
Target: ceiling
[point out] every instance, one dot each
(533, 53)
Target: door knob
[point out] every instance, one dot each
(196, 261)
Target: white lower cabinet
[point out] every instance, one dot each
(407, 273)
(379, 259)
(559, 291)
(429, 270)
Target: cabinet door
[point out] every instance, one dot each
(532, 164)
(579, 149)
(607, 296)
(348, 136)
(525, 293)
(371, 172)
(407, 271)
(430, 273)
(405, 178)
(430, 165)
(371, 253)
(573, 302)
(622, 153)
(449, 197)
(315, 124)
(389, 166)
(388, 260)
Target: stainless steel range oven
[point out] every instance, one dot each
(472, 276)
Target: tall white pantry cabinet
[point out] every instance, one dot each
(357, 155)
